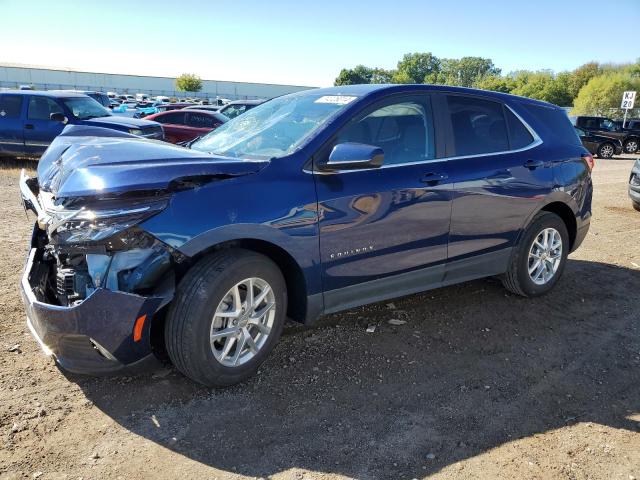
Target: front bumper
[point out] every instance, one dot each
(95, 336)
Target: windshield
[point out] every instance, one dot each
(85, 108)
(275, 128)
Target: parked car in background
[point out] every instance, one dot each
(237, 107)
(210, 108)
(100, 97)
(185, 125)
(634, 185)
(600, 145)
(633, 124)
(30, 120)
(312, 203)
(175, 106)
(630, 138)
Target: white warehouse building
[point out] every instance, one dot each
(50, 78)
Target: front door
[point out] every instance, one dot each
(39, 129)
(383, 231)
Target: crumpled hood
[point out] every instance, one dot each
(116, 162)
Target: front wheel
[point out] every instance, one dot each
(631, 145)
(227, 315)
(636, 205)
(538, 260)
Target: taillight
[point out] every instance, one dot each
(588, 159)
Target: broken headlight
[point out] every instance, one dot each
(87, 224)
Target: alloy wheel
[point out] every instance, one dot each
(242, 322)
(631, 146)
(606, 151)
(545, 256)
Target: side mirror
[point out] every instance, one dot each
(353, 156)
(58, 117)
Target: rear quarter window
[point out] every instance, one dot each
(10, 106)
(554, 122)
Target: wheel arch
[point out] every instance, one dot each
(560, 204)
(292, 272)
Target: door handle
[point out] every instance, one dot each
(533, 164)
(28, 126)
(433, 178)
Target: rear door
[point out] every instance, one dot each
(499, 178)
(11, 133)
(383, 231)
(39, 129)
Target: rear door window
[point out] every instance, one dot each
(478, 125)
(10, 106)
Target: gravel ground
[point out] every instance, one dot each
(477, 383)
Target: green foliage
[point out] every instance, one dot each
(465, 72)
(417, 66)
(495, 83)
(188, 82)
(602, 94)
(564, 88)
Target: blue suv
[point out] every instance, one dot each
(308, 204)
(30, 120)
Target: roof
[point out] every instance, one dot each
(46, 93)
(368, 89)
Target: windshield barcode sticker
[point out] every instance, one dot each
(336, 99)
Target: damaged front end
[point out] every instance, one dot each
(93, 280)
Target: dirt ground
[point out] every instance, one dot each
(478, 383)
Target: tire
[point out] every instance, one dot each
(606, 150)
(631, 145)
(636, 205)
(191, 318)
(517, 278)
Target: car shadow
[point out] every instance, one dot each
(472, 368)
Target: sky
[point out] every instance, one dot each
(307, 43)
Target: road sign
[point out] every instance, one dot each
(628, 98)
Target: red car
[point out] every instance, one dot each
(185, 125)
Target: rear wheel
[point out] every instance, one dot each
(631, 145)
(636, 205)
(606, 150)
(538, 260)
(226, 317)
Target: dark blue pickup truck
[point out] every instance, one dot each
(30, 120)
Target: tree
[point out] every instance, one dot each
(495, 83)
(543, 85)
(602, 95)
(354, 76)
(465, 71)
(188, 82)
(415, 67)
(581, 76)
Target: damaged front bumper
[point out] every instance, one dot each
(100, 335)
